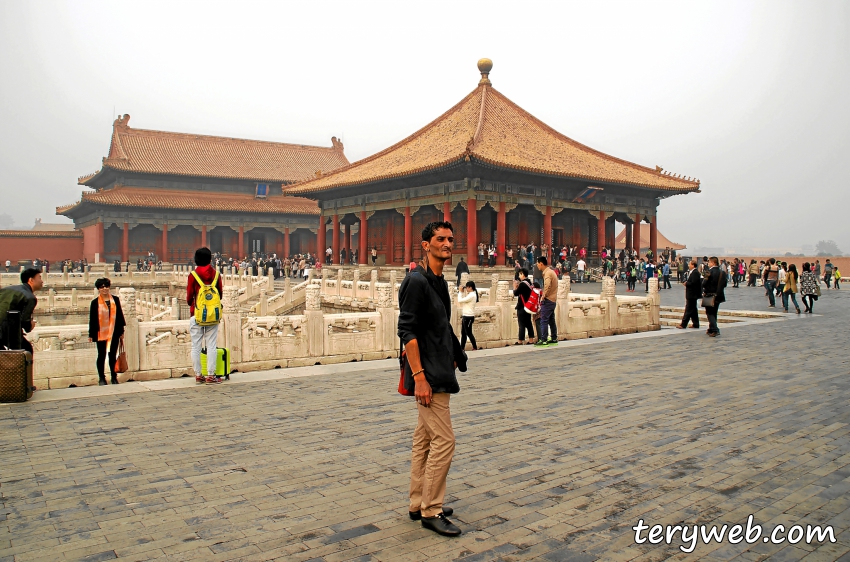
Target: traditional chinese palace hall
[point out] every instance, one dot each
(499, 175)
(170, 193)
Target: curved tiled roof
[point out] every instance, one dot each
(663, 241)
(488, 127)
(194, 201)
(160, 152)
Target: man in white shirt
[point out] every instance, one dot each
(580, 265)
(328, 253)
(8, 265)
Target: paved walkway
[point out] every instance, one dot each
(560, 452)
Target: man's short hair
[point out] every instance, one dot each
(714, 260)
(772, 261)
(432, 227)
(524, 271)
(694, 262)
(28, 274)
(102, 282)
(203, 256)
(543, 260)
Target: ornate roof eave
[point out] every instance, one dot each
(554, 174)
(312, 194)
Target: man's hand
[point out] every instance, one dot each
(422, 391)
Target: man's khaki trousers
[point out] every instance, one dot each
(433, 449)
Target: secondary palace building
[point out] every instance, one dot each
(499, 175)
(170, 193)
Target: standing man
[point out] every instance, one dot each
(827, 270)
(21, 298)
(425, 329)
(771, 277)
(713, 284)
(665, 271)
(650, 272)
(693, 291)
(548, 299)
(580, 266)
(460, 270)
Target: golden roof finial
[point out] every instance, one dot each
(485, 66)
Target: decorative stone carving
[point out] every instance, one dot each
(230, 300)
(564, 288)
(653, 285)
(609, 289)
(312, 298)
(384, 295)
(503, 292)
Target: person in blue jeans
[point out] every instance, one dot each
(548, 300)
(771, 277)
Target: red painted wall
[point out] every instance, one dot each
(52, 249)
(93, 241)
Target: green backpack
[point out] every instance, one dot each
(207, 302)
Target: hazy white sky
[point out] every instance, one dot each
(750, 97)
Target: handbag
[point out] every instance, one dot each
(710, 299)
(402, 362)
(121, 365)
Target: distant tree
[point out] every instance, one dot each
(6, 222)
(827, 248)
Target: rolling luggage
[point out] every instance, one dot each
(15, 375)
(222, 362)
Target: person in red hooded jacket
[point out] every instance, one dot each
(202, 336)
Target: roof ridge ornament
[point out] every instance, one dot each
(485, 66)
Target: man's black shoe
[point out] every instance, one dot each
(417, 515)
(441, 525)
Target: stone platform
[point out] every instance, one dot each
(560, 452)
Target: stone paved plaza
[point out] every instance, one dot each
(559, 453)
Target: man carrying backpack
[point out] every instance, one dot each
(203, 293)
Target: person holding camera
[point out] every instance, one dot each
(467, 299)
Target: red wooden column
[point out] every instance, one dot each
(653, 238)
(447, 217)
(471, 229)
(600, 233)
(500, 234)
(320, 238)
(636, 234)
(203, 236)
(335, 240)
(320, 253)
(408, 236)
(347, 241)
(547, 229)
(364, 239)
(576, 232)
(390, 238)
(125, 244)
(164, 256)
(241, 243)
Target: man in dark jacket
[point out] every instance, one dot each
(693, 291)
(424, 328)
(461, 269)
(713, 284)
(21, 298)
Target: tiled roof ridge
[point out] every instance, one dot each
(579, 145)
(298, 186)
(196, 136)
(41, 233)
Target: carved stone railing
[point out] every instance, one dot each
(158, 344)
